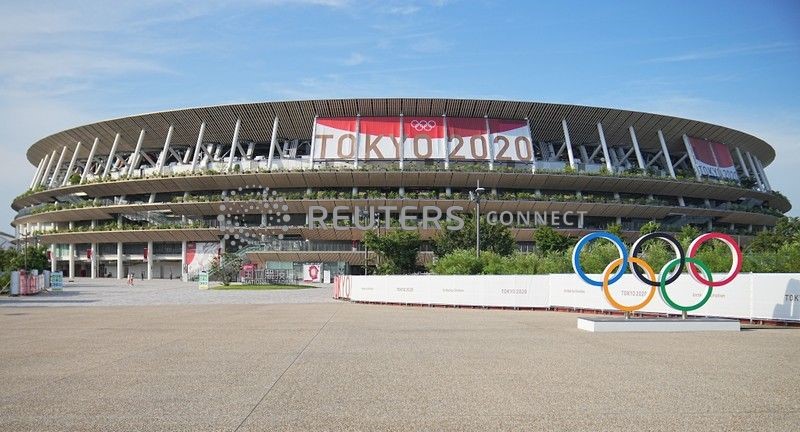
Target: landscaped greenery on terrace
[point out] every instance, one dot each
(439, 167)
(413, 194)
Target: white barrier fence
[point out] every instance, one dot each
(758, 296)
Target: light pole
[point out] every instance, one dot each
(476, 196)
(365, 214)
(25, 253)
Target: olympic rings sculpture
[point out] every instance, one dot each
(668, 274)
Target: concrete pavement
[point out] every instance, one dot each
(114, 292)
(331, 366)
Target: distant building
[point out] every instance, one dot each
(6, 240)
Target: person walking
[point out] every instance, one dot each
(130, 279)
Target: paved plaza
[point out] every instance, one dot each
(114, 292)
(309, 363)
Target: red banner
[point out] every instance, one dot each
(389, 138)
(713, 159)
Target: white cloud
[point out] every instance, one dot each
(355, 59)
(727, 52)
(404, 10)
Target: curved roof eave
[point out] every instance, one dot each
(297, 119)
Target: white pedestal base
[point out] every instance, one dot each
(657, 324)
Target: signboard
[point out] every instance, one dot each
(57, 281)
(199, 256)
(312, 272)
(202, 280)
(422, 138)
(713, 159)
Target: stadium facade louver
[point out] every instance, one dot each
(147, 194)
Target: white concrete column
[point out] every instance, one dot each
(692, 158)
(110, 160)
(187, 155)
(402, 143)
(489, 146)
(664, 150)
(741, 162)
(46, 175)
(119, 261)
(198, 146)
(584, 153)
(533, 153)
(93, 261)
(636, 149)
(756, 174)
(135, 156)
(763, 174)
(358, 141)
(313, 146)
(53, 258)
(40, 179)
(71, 261)
(234, 144)
(251, 148)
(446, 143)
(568, 143)
(38, 172)
(606, 154)
(57, 169)
(71, 164)
(89, 160)
(149, 260)
(162, 158)
(272, 143)
(184, 274)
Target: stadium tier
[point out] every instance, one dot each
(291, 183)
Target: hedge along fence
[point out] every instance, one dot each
(595, 258)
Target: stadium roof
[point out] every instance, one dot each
(296, 120)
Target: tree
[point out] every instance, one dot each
(459, 262)
(398, 250)
(226, 268)
(649, 227)
(687, 234)
(35, 257)
(495, 237)
(786, 231)
(614, 228)
(549, 240)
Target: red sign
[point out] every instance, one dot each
(395, 138)
(713, 159)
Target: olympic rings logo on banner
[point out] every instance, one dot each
(668, 274)
(423, 125)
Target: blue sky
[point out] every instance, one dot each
(728, 62)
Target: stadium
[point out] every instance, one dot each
(159, 195)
